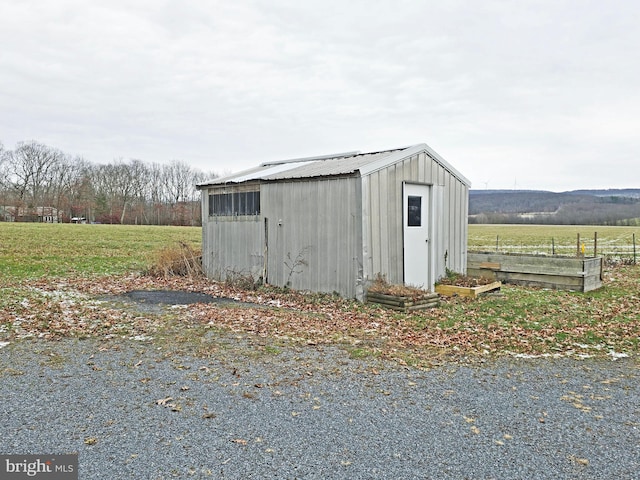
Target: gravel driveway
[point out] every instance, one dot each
(131, 411)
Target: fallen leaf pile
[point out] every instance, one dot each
(520, 321)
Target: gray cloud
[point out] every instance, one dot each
(536, 94)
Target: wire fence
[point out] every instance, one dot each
(613, 250)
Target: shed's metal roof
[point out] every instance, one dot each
(348, 163)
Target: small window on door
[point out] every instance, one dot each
(414, 211)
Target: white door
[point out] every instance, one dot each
(416, 235)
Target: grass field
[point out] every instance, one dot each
(31, 250)
(51, 276)
(616, 242)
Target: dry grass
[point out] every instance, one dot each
(459, 280)
(380, 285)
(178, 260)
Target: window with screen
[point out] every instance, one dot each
(229, 203)
(414, 211)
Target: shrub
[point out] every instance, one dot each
(178, 260)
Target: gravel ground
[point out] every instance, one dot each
(132, 411)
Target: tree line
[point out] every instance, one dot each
(38, 181)
(548, 208)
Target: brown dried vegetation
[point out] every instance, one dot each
(520, 320)
(178, 260)
(380, 285)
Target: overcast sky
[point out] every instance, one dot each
(514, 94)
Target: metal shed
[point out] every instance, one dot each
(333, 223)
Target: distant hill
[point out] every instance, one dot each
(578, 207)
(623, 192)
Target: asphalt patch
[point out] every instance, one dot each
(157, 301)
(175, 297)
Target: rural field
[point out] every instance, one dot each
(53, 276)
(615, 243)
(273, 383)
(32, 250)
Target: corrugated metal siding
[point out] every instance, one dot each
(382, 219)
(333, 234)
(313, 234)
(231, 246)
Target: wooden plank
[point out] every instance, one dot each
(541, 268)
(564, 279)
(477, 273)
(409, 308)
(424, 306)
(592, 283)
(393, 303)
(382, 296)
(570, 262)
(472, 292)
(486, 288)
(388, 295)
(400, 300)
(490, 265)
(546, 281)
(449, 290)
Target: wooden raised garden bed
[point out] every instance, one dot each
(561, 273)
(403, 298)
(404, 303)
(452, 290)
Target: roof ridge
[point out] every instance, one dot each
(312, 159)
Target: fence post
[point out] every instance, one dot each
(578, 246)
(634, 248)
(553, 246)
(497, 242)
(595, 244)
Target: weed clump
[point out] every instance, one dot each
(178, 260)
(241, 280)
(382, 286)
(460, 280)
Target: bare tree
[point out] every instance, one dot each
(116, 186)
(179, 180)
(35, 175)
(2, 161)
(5, 185)
(81, 196)
(30, 167)
(154, 193)
(138, 173)
(4, 173)
(68, 184)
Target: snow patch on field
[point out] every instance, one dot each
(572, 353)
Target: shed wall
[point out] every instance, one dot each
(231, 245)
(314, 229)
(382, 217)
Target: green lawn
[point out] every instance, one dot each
(33, 250)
